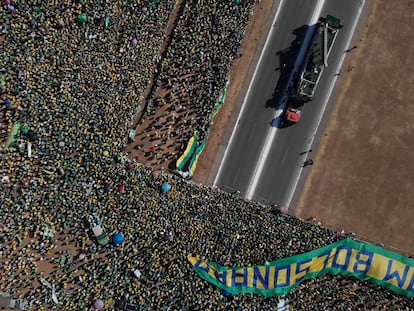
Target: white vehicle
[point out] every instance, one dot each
(6, 301)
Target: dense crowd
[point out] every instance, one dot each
(203, 42)
(77, 85)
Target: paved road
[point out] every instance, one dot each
(262, 162)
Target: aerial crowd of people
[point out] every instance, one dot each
(74, 75)
(190, 77)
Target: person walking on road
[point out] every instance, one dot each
(307, 162)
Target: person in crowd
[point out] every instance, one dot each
(74, 76)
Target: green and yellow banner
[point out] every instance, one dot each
(347, 257)
(194, 160)
(187, 162)
(188, 152)
(220, 102)
(13, 135)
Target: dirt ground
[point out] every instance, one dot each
(363, 177)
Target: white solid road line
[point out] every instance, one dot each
(264, 153)
(271, 134)
(247, 93)
(325, 103)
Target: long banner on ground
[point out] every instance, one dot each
(194, 159)
(347, 257)
(187, 162)
(188, 152)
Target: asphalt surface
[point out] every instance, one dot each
(265, 163)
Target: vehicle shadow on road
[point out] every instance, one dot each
(288, 58)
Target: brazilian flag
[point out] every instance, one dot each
(194, 160)
(188, 152)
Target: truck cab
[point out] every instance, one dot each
(292, 115)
